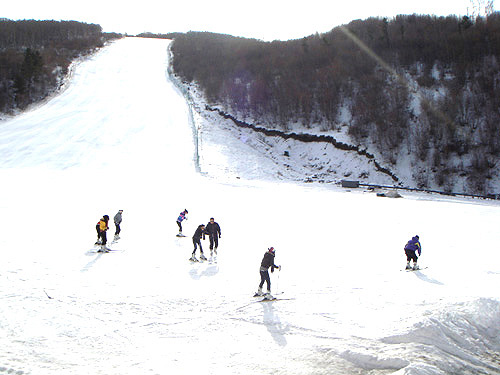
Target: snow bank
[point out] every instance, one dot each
(462, 339)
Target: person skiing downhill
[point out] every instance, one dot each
(411, 249)
(98, 229)
(103, 227)
(118, 220)
(214, 233)
(180, 219)
(267, 261)
(200, 231)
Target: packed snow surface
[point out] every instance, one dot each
(120, 136)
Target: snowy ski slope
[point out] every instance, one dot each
(120, 137)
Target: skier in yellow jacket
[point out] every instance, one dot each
(103, 227)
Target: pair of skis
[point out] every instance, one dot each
(270, 297)
(411, 269)
(99, 248)
(263, 300)
(210, 260)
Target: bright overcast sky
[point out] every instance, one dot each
(261, 19)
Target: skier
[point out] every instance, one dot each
(214, 233)
(267, 261)
(97, 228)
(200, 231)
(103, 227)
(118, 219)
(411, 248)
(182, 216)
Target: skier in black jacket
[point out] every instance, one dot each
(200, 231)
(213, 230)
(267, 261)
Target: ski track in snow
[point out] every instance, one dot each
(119, 137)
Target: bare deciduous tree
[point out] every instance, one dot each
(481, 8)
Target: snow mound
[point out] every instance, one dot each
(370, 362)
(461, 339)
(390, 194)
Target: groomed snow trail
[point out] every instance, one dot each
(119, 137)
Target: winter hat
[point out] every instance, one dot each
(271, 249)
(186, 211)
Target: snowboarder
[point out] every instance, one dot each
(267, 261)
(182, 216)
(213, 230)
(200, 231)
(118, 219)
(411, 249)
(103, 227)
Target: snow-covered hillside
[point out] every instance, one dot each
(286, 159)
(121, 137)
(335, 155)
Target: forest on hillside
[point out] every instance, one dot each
(426, 85)
(35, 57)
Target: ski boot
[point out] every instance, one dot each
(203, 257)
(103, 249)
(408, 267)
(215, 251)
(259, 293)
(268, 296)
(193, 259)
(415, 267)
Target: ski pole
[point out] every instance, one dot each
(278, 281)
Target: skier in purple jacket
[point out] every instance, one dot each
(182, 216)
(411, 249)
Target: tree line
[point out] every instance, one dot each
(35, 57)
(426, 84)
